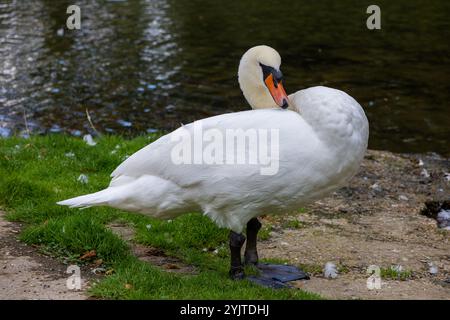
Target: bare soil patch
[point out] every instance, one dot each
(25, 274)
(376, 220)
(151, 255)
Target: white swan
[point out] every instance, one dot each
(321, 140)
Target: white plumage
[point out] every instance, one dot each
(322, 140)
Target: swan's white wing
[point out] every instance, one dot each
(156, 158)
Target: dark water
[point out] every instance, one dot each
(145, 65)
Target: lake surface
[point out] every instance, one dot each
(140, 66)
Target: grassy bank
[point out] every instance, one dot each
(37, 172)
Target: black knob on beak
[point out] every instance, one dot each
(277, 75)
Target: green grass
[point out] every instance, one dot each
(264, 233)
(313, 269)
(393, 274)
(38, 172)
(293, 224)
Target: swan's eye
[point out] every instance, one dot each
(267, 71)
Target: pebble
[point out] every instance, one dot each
(170, 108)
(443, 219)
(124, 123)
(447, 176)
(424, 173)
(433, 268)
(76, 133)
(330, 270)
(403, 198)
(376, 187)
(5, 132)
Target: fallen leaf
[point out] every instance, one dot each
(89, 254)
(171, 266)
(109, 272)
(98, 262)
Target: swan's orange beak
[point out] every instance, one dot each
(277, 91)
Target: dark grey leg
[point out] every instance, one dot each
(236, 242)
(251, 254)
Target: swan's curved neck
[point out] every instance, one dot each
(250, 79)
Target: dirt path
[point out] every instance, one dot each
(374, 221)
(151, 255)
(25, 274)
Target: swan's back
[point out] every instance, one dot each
(295, 136)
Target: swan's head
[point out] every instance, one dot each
(261, 80)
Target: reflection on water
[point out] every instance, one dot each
(140, 66)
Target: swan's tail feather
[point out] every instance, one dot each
(94, 199)
(147, 194)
